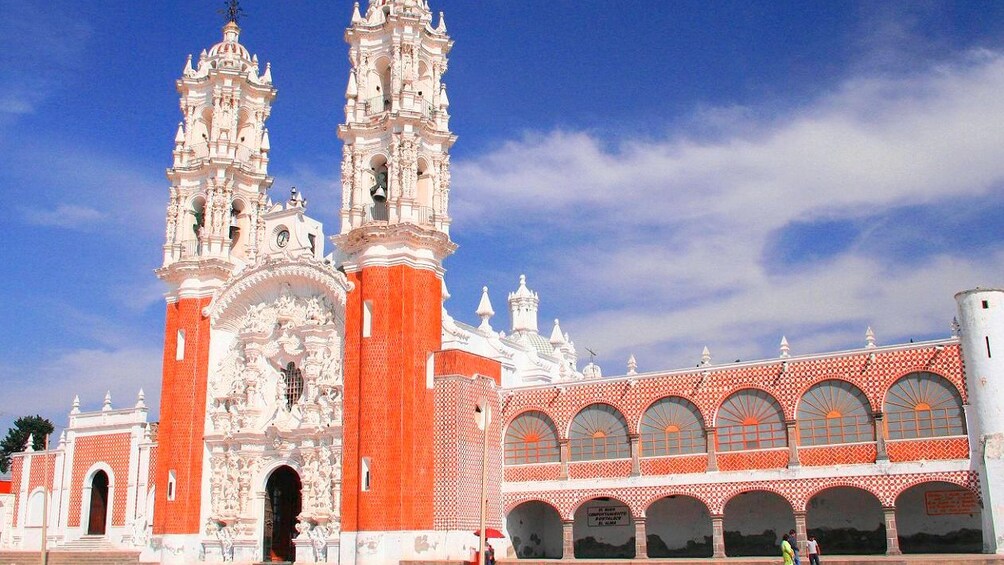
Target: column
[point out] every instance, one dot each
(801, 535)
(891, 533)
(563, 453)
(792, 444)
(640, 539)
(880, 452)
(567, 539)
(718, 536)
(710, 434)
(635, 453)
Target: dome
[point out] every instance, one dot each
(536, 341)
(230, 50)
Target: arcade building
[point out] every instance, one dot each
(320, 405)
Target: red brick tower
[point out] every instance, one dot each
(394, 237)
(214, 223)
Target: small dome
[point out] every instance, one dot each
(536, 341)
(230, 49)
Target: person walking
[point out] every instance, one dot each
(793, 539)
(787, 553)
(812, 547)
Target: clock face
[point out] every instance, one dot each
(282, 238)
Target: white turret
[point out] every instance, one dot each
(485, 311)
(523, 306)
(981, 328)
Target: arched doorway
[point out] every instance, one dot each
(939, 517)
(847, 521)
(99, 504)
(535, 530)
(754, 523)
(282, 506)
(678, 526)
(603, 529)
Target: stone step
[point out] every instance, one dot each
(69, 558)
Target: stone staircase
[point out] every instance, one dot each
(88, 550)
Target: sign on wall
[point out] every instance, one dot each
(601, 516)
(945, 502)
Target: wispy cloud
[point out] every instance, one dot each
(669, 240)
(63, 216)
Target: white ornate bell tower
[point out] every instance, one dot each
(395, 161)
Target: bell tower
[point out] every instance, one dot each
(394, 238)
(215, 224)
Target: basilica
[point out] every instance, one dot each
(319, 403)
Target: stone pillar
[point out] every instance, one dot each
(801, 535)
(635, 454)
(640, 539)
(789, 426)
(891, 533)
(718, 536)
(710, 434)
(563, 453)
(880, 452)
(567, 539)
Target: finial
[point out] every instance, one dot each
(869, 338)
(179, 137)
(956, 328)
(140, 398)
(267, 77)
(265, 145)
(557, 339)
(705, 357)
(232, 11)
(356, 17)
(29, 445)
(351, 90)
(444, 100)
(785, 350)
(76, 405)
(188, 70)
(108, 402)
(441, 28)
(485, 311)
(632, 365)
(62, 438)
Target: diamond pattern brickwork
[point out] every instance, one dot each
(541, 472)
(931, 448)
(674, 465)
(113, 450)
(754, 459)
(846, 454)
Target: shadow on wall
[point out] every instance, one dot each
(589, 548)
(850, 541)
(658, 548)
(532, 548)
(966, 540)
(739, 545)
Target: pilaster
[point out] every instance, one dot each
(711, 435)
(789, 426)
(891, 533)
(567, 539)
(880, 450)
(635, 454)
(718, 536)
(640, 539)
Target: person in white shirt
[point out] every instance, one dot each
(812, 548)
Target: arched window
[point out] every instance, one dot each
(750, 419)
(672, 426)
(923, 404)
(294, 385)
(35, 502)
(834, 412)
(531, 438)
(599, 432)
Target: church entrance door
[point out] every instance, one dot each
(99, 504)
(282, 506)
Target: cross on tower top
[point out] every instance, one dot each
(232, 11)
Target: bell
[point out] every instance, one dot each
(379, 193)
(233, 220)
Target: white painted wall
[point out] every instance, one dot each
(678, 520)
(613, 535)
(912, 516)
(535, 530)
(754, 512)
(844, 507)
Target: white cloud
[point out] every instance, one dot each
(63, 216)
(668, 240)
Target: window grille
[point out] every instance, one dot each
(294, 385)
(832, 412)
(672, 426)
(531, 438)
(923, 404)
(599, 431)
(750, 419)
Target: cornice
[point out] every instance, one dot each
(379, 244)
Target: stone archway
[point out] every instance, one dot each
(846, 521)
(678, 526)
(604, 529)
(754, 523)
(535, 530)
(939, 517)
(283, 500)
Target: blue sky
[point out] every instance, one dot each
(668, 175)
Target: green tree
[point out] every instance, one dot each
(36, 426)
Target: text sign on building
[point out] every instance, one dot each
(943, 502)
(600, 516)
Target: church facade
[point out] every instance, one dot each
(322, 406)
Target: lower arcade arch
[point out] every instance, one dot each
(846, 521)
(603, 529)
(754, 522)
(939, 517)
(678, 526)
(283, 493)
(534, 528)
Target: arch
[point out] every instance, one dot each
(34, 508)
(754, 521)
(240, 228)
(672, 425)
(376, 185)
(750, 419)
(834, 411)
(424, 184)
(378, 95)
(603, 528)
(97, 514)
(534, 527)
(849, 518)
(88, 496)
(598, 431)
(283, 503)
(678, 525)
(923, 404)
(939, 517)
(531, 437)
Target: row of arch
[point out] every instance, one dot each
(918, 405)
(845, 520)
